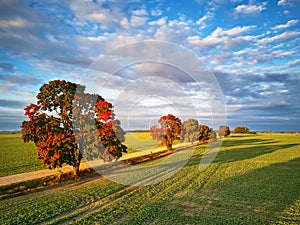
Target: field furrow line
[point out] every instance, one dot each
(96, 205)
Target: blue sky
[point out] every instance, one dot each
(251, 47)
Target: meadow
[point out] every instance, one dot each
(19, 157)
(138, 141)
(16, 156)
(253, 180)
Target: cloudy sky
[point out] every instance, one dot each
(250, 47)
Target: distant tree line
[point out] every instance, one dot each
(172, 130)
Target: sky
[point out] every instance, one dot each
(248, 50)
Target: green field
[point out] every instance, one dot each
(255, 179)
(137, 141)
(16, 156)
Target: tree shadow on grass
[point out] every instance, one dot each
(243, 153)
(239, 154)
(249, 141)
(263, 193)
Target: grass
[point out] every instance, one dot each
(19, 157)
(16, 156)
(137, 141)
(253, 180)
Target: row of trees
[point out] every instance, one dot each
(171, 129)
(62, 125)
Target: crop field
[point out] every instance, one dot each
(16, 156)
(137, 141)
(253, 180)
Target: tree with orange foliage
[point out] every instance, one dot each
(169, 131)
(67, 124)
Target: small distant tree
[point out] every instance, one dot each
(190, 130)
(62, 126)
(204, 133)
(213, 135)
(224, 131)
(169, 131)
(241, 130)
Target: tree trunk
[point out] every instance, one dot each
(77, 165)
(169, 146)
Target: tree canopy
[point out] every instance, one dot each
(67, 124)
(224, 131)
(241, 130)
(190, 130)
(204, 133)
(169, 130)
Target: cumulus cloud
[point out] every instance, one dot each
(294, 62)
(137, 21)
(270, 95)
(250, 9)
(140, 12)
(228, 39)
(280, 37)
(287, 3)
(290, 23)
(64, 38)
(156, 12)
(159, 22)
(220, 32)
(174, 31)
(202, 21)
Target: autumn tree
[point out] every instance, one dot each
(213, 135)
(67, 124)
(241, 130)
(224, 131)
(204, 133)
(169, 130)
(190, 130)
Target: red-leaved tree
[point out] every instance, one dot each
(204, 133)
(67, 124)
(169, 131)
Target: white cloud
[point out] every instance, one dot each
(159, 22)
(294, 63)
(201, 21)
(288, 3)
(279, 37)
(90, 11)
(18, 22)
(165, 33)
(205, 42)
(282, 2)
(220, 58)
(229, 39)
(287, 25)
(137, 21)
(175, 31)
(125, 23)
(156, 12)
(140, 12)
(219, 32)
(250, 9)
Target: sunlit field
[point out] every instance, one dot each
(137, 141)
(253, 180)
(16, 156)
